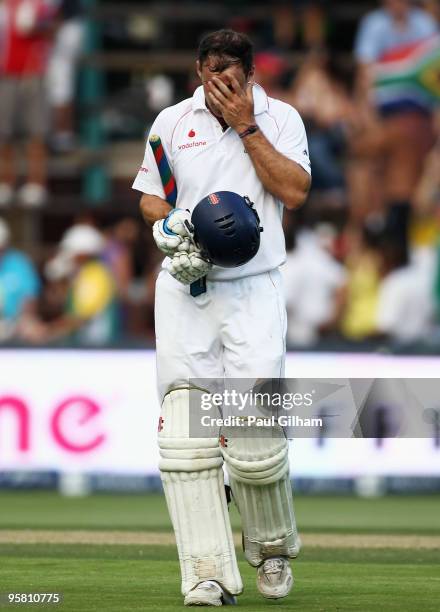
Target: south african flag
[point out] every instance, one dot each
(409, 76)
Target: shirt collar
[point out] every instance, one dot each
(261, 104)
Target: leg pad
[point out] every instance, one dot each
(259, 474)
(192, 477)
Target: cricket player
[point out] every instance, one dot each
(230, 136)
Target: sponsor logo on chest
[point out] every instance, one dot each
(192, 144)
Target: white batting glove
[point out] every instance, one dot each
(188, 267)
(174, 232)
(187, 246)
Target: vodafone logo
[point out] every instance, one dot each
(191, 134)
(190, 145)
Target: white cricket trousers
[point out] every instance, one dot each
(237, 329)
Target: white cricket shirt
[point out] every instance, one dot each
(205, 159)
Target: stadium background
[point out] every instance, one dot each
(78, 409)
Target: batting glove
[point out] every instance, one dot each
(188, 267)
(174, 232)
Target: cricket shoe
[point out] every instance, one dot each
(209, 593)
(274, 578)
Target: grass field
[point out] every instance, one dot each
(337, 571)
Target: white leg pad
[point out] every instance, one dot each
(192, 477)
(259, 477)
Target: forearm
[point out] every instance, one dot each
(153, 208)
(282, 177)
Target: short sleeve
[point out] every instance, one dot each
(148, 178)
(369, 40)
(292, 140)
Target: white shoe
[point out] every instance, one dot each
(33, 195)
(209, 593)
(274, 578)
(6, 195)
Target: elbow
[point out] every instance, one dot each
(145, 208)
(142, 205)
(295, 199)
(296, 195)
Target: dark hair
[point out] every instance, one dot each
(230, 43)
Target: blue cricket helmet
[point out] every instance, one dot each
(227, 228)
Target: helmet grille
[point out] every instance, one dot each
(225, 218)
(226, 224)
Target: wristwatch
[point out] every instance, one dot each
(250, 130)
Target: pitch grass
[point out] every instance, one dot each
(340, 514)
(125, 578)
(120, 578)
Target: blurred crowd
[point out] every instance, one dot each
(96, 288)
(40, 43)
(363, 254)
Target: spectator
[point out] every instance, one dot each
(314, 283)
(403, 136)
(118, 254)
(304, 16)
(91, 310)
(57, 272)
(19, 286)
(405, 309)
(160, 92)
(62, 74)
(27, 28)
(363, 263)
(269, 70)
(393, 26)
(425, 227)
(327, 109)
